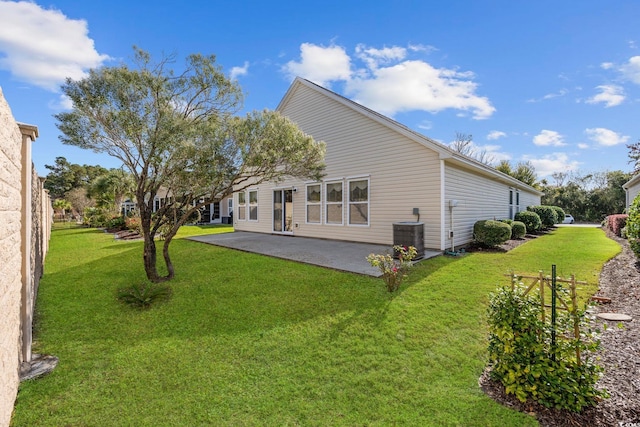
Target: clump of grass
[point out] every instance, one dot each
(143, 295)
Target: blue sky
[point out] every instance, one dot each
(553, 83)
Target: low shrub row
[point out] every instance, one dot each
(491, 233)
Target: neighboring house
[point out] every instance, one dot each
(211, 213)
(631, 189)
(378, 172)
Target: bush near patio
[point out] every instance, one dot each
(530, 219)
(491, 233)
(252, 340)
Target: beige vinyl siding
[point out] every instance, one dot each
(528, 199)
(478, 198)
(632, 188)
(402, 173)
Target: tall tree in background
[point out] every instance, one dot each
(464, 144)
(64, 176)
(177, 131)
(523, 172)
(634, 156)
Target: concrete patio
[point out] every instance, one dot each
(335, 254)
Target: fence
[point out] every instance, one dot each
(541, 283)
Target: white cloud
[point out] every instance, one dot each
(389, 82)
(416, 85)
(605, 136)
(43, 46)
(583, 146)
(425, 125)
(561, 92)
(496, 134)
(374, 57)
(607, 65)
(610, 95)
(548, 138)
(239, 71)
(556, 162)
(631, 69)
(320, 64)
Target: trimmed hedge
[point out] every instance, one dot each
(491, 233)
(560, 213)
(547, 215)
(530, 219)
(518, 230)
(616, 223)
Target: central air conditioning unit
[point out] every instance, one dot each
(409, 234)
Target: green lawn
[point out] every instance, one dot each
(251, 340)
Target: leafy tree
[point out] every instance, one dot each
(111, 189)
(61, 206)
(65, 176)
(523, 172)
(79, 199)
(176, 131)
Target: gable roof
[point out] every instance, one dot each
(444, 152)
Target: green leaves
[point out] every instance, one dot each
(525, 362)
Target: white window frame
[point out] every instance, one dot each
(229, 206)
(242, 207)
(252, 204)
(327, 203)
(349, 202)
(307, 203)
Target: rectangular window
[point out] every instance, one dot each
(253, 205)
(333, 195)
(242, 206)
(359, 202)
(314, 203)
(230, 205)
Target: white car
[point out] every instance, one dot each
(568, 219)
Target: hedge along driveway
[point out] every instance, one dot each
(252, 340)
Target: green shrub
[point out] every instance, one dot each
(530, 219)
(116, 223)
(547, 215)
(143, 295)
(507, 221)
(524, 361)
(633, 221)
(518, 230)
(491, 233)
(560, 214)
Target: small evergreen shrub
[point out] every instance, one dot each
(560, 214)
(507, 221)
(518, 230)
(524, 361)
(633, 221)
(547, 215)
(616, 223)
(115, 223)
(530, 219)
(491, 233)
(143, 295)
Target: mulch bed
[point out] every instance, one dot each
(619, 354)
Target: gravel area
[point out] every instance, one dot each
(619, 354)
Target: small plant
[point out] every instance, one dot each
(394, 272)
(143, 295)
(526, 363)
(547, 214)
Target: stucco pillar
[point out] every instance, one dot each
(29, 134)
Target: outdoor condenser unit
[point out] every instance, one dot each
(409, 234)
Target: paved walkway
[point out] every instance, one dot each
(335, 254)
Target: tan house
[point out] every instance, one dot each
(378, 173)
(631, 189)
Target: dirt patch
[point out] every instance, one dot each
(619, 354)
